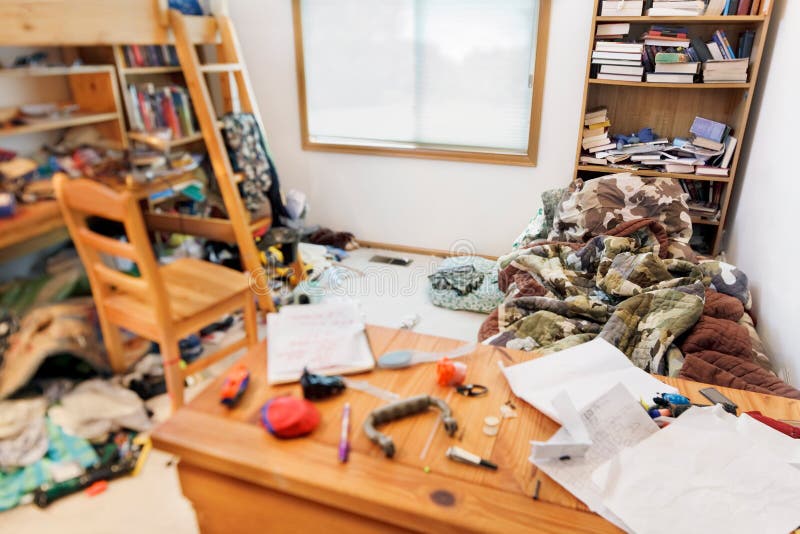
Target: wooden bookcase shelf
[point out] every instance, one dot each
(712, 86)
(732, 19)
(44, 125)
(669, 109)
(608, 169)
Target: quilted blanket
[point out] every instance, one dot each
(622, 287)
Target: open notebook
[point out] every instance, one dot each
(328, 338)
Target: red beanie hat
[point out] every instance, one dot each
(289, 417)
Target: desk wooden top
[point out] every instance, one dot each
(231, 442)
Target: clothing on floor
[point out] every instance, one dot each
(97, 407)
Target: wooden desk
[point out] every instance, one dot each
(236, 474)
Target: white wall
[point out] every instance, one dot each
(423, 203)
(763, 238)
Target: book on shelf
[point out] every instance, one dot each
(623, 69)
(616, 8)
(615, 30)
(589, 160)
(680, 8)
(702, 127)
(154, 108)
(679, 168)
(746, 39)
(721, 39)
(630, 56)
(677, 68)
(730, 148)
(715, 8)
(671, 57)
(614, 46)
(715, 51)
(623, 62)
(710, 171)
(595, 115)
(666, 77)
(601, 148)
(703, 198)
(710, 144)
(150, 55)
(620, 77)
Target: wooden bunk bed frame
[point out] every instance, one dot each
(82, 23)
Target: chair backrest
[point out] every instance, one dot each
(82, 198)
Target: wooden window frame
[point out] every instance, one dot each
(529, 158)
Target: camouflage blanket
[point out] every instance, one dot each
(620, 287)
(603, 204)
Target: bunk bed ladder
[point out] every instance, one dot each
(230, 67)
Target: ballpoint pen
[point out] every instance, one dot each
(344, 440)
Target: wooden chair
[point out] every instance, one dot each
(165, 303)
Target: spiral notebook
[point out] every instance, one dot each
(327, 338)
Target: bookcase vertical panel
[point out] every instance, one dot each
(670, 110)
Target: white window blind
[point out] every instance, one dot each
(420, 73)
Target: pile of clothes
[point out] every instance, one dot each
(615, 263)
(56, 437)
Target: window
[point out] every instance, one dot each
(452, 79)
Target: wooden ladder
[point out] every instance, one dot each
(230, 67)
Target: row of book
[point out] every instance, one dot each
(704, 198)
(666, 54)
(708, 150)
(683, 8)
(153, 108)
(150, 56)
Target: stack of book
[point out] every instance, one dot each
(153, 108)
(673, 67)
(621, 8)
(704, 198)
(594, 138)
(708, 152)
(715, 137)
(725, 71)
(618, 61)
(676, 8)
(150, 55)
(667, 58)
(613, 31)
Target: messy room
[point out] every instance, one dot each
(487, 266)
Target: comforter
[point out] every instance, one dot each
(622, 287)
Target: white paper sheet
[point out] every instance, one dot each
(706, 472)
(585, 372)
(327, 338)
(614, 421)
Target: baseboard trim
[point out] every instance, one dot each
(419, 250)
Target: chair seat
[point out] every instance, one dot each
(193, 286)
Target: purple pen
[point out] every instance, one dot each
(344, 440)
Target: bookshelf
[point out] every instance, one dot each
(670, 108)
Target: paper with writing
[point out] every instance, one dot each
(585, 372)
(708, 473)
(614, 421)
(326, 338)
